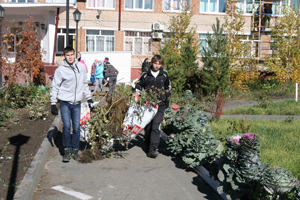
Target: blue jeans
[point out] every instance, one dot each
(68, 112)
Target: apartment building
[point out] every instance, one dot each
(127, 25)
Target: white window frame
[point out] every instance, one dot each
(203, 39)
(139, 9)
(210, 12)
(144, 40)
(245, 8)
(95, 39)
(171, 7)
(252, 50)
(60, 33)
(100, 7)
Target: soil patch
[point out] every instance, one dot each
(20, 139)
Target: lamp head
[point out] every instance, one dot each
(2, 11)
(77, 15)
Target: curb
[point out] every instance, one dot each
(30, 181)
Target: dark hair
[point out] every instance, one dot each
(157, 58)
(79, 59)
(68, 49)
(106, 58)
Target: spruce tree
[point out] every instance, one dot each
(216, 60)
(188, 63)
(181, 34)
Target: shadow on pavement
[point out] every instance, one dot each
(211, 194)
(18, 141)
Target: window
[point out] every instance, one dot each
(203, 42)
(139, 4)
(175, 5)
(62, 41)
(107, 4)
(245, 6)
(249, 49)
(214, 6)
(140, 43)
(99, 40)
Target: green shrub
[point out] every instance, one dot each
(19, 96)
(37, 107)
(191, 137)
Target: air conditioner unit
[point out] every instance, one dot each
(157, 26)
(156, 35)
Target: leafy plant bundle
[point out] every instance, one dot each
(191, 137)
(201, 149)
(240, 170)
(105, 125)
(278, 181)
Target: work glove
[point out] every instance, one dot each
(90, 102)
(54, 110)
(167, 103)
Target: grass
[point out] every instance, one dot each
(279, 140)
(286, 107)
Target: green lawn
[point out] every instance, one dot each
(286, 107)
(279, 139)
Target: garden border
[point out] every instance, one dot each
(203, 173)
(31, 179)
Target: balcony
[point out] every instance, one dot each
(38, 1)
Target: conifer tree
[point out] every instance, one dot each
(216, 60)
(181, 36)
(188, 63)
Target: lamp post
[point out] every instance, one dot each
(2, 11)
(76, 15)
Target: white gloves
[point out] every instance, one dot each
(107, 79)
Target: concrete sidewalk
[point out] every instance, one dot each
(131, 176)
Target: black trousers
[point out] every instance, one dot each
(152, 133)
(112, 83)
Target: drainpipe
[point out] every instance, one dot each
(55, 36)
(119, 15)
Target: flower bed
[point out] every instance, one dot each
(239, 169)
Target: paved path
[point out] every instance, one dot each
(132, 177)
(244, 103)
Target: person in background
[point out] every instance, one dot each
(94, 66)
(68, 86)
(268, 15)
(82, 61)
(157, 78)
(99, 76)
(112, 74)
(105, 82)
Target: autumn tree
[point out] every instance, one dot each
(28, 62)
(285, 60)
(179, 42)
(216, 61)
(243, 65)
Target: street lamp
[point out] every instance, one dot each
(76, 15)
(2, 11)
